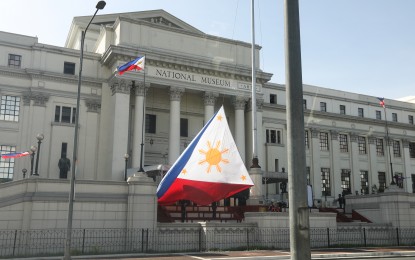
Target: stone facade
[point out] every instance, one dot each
(188, 76)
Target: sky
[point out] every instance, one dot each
(365, 47)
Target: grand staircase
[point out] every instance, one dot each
(346, 217)
(196, 213)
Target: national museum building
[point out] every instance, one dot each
(188, 76)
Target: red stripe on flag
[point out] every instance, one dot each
(200, 192)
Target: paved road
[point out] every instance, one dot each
(332, 253)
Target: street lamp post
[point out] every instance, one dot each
(32, 158)
(67, 254)
(126, 156)
(39, 138)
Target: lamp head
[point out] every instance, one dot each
(33, 148)
(126, 156)
(40, 137)
(101, 5)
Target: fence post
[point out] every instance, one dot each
(147, 240)
(397, 235)
(247, 238)
(83, 240)
(200, 239)
(364, 236)
(328, 237)
(142, 240)
(14, 243)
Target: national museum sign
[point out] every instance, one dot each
(199, 79)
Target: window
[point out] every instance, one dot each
(382, 181)
(273, 136)
(412, 150)
(65, 114)
(69, 68)
(305, 104)
(64, 149)
(273, 99)
(396, 149)
(15, 61)
(361, 142)
(307, 143)
(394, 117)
(150, 124)
(323, 107)
(308, 174)
(6, 165)
(344, 146)
(276, 165)
(360, 112)
(342, 109)
(413, 182)
(379, 147)
(184, 127)
(278, 137)
(378, 115)
(410, 119)
(325, 182)
(324, 141)
(345, 181)
(9, 108)
(364, 182)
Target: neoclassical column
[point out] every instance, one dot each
(335, 166)
(407, 169)
(90, 139)
(315, 162)
(37, 125)
(174, 134)
(239, 104)
(373, 161)
(139, 120)
(121, 90)
(209, 99)
(355, 168)
(260, 133)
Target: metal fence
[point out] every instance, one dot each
(24, 243)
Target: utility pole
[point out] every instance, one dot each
(297, 180)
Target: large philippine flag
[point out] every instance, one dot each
(209, 169)
(137, 64)
(14, 155)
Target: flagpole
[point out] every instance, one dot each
(253, 101)
(389, 147)
(142, 125)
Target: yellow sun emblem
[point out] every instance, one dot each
(213, 156)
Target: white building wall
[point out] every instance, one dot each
(187, 51)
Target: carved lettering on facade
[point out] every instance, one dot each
(201, 79)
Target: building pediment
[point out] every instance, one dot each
(162, 18)
(157, 17)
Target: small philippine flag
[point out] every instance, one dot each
(382, 102)
(14, 155)
(137, 64)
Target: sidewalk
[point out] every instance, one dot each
(329, 253)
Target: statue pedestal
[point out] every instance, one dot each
(142, 201)
(393, 188)
(255, 196)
